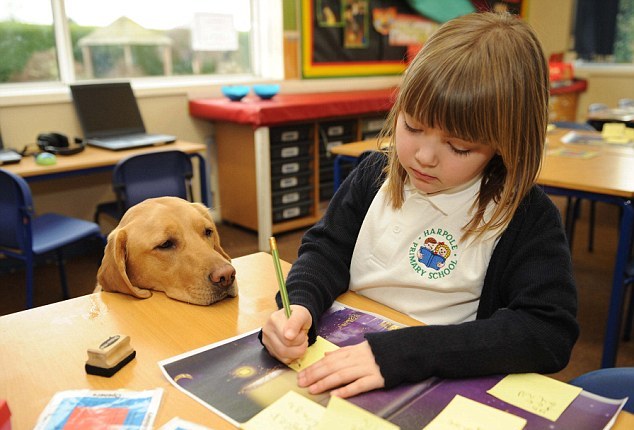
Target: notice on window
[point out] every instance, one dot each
(214, 32)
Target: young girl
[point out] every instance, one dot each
(447, 226)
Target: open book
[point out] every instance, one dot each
(237, 378)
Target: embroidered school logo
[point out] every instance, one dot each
(434, 254)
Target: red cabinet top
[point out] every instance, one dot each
(285, 108)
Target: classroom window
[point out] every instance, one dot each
(74, 40)
(604, 31)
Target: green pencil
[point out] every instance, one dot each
(280, 277)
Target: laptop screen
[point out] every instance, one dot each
(107, 110)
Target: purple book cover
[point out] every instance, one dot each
(237, 378)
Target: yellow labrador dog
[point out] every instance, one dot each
(167, 244)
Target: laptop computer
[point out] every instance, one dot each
(110, 117)
(8, 156)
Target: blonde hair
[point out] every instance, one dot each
(482, 78)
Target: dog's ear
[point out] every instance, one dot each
(205, 212)
(112, 275)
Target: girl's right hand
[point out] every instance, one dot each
(287, 338)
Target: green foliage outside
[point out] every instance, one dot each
(28, 53)
(18, 42)
(624, 44)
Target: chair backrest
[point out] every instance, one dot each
(613, 382)
(154, 174)
(16, 211)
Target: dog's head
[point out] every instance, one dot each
(171, 245)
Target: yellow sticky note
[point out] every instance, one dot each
(617, 140)
(629, 133)
(313, 354)
(292, 411)
(466, 414)
(536, 393)
(343, 415)
(612, 129)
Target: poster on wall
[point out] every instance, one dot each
(342, 38)
(359, 37)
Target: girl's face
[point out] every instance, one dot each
(436, 161)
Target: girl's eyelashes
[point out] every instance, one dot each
(410, 128)
(463, 152)
(456, 150)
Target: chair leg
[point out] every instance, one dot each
(629, 315)
(30, 268)
(572, 209)
(593, 207)
(62, 274)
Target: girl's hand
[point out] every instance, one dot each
(352, 368)
(287, 338)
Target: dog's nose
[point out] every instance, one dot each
(223, 276)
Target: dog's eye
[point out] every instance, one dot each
(208, 232)
(166, 245)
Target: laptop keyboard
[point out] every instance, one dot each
(134, 140)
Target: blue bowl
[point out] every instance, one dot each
(266, 91)
(235, 92)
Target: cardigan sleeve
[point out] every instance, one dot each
(322, 270)
(526, 319)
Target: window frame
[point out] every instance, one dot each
(266, 55)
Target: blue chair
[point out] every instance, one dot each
(143, 176)
(629, 314)
(613, 382)
(23, 235)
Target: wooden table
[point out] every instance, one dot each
(608, 176)
(93, 160)
(43, 350)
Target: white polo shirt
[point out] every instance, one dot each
(413, 259)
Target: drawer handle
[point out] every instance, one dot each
(335, 130)
(374, 125)
(291, 212)
(291, 151)
(289, 182)
(290, 168)
(290, 198)
(289, 136)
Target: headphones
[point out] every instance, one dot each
(57, 143)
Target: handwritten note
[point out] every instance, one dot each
(292, 411)
(536, 393)
(314, 353)
(343, 415)
(466, 414)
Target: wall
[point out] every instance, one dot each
(78, 196)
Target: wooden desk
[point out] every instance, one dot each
(607, 177)
(93, 160)
(43, 350)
